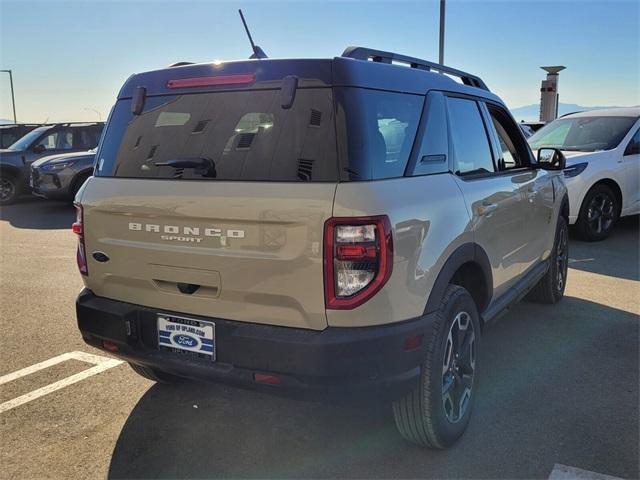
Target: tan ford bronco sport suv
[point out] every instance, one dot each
(344, 225)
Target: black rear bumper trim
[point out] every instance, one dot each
(334, 359)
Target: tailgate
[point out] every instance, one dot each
(246, 251)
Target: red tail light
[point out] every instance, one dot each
(78, 229)
(358, 259)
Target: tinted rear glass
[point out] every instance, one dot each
(248, 136)
(240, 135)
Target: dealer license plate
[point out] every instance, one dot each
(187, 335)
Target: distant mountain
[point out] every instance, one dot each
(531, 113)
(4, 121)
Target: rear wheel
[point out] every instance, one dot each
(436, 413)
(9, 188)
(154, 375)
(77, 183)
(598, 214)
(550, 288)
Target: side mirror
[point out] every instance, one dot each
(39, 148)
(551, 159)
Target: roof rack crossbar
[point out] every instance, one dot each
(363, 53)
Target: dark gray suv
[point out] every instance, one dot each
(61, 138)
(59, 177)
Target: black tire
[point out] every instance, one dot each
(426, 415)
(154, 375)
(550, 288)
(10, 188)
(598, 214)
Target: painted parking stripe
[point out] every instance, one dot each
(100, 365)
(564, 472)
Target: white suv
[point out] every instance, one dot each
(603, 166)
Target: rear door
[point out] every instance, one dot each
(214, 204)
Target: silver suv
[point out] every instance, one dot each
(345, 226)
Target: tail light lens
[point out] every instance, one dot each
(358, 259)
(78, 229)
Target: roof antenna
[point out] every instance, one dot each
(257, 51)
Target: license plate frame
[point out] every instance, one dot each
(186, 336)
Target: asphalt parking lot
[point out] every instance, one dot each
(559, 385)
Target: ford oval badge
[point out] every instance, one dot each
(185, 340)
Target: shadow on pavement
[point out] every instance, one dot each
(617, 256)
(38, 214)
(553, 380)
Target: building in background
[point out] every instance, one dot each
(549, 94)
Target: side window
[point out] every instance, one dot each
(50, 141)
(8, 139)
(634, 145)
(434, 146)
(86, 138)
(513, 153)
(58, 140)
(472, 154)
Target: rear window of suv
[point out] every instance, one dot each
(248, 136)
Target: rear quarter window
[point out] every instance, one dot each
(376, 132)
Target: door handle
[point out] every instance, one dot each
(486, 209)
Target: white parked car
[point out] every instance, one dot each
(602, 148)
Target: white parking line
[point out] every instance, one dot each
(101, 364)
(563, 472)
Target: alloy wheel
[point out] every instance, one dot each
(600, 213)
(458, 367)
(562, 257)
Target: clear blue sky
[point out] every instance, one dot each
(71, 56)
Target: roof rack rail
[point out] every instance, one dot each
(65, 124)
(363, 53)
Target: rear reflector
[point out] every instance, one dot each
(108, 345)
(411, 343)
(266, 379)
(211, 81)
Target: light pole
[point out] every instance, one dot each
(94, 110)
(13, 100)
(441, 47)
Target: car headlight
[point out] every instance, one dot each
(55, 167)
(575, 170)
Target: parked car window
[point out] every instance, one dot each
(87, 138)
(513, 150)
(8, 139)
(27, 140)
(583, 134)
(472, 153)
(634, 145)
(65, 140)
(50, 141)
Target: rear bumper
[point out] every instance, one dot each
(335, 360)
